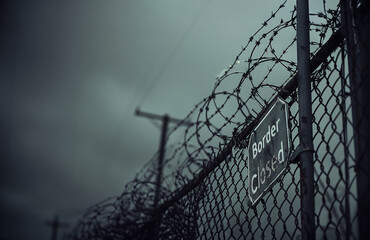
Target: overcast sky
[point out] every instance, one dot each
(73, 72)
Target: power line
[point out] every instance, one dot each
(145, 94)
(172, 54)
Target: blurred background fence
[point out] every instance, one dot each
(203, 189)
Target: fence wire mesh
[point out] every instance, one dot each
(204, 191)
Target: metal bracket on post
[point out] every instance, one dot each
(294, 157)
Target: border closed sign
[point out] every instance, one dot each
(268, 150)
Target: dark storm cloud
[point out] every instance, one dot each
(65, 88)
(72, 73)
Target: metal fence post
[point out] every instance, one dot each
(356, 19)
(305, 121)
(361, 86)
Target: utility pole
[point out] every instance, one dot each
(305, 122)
(152, 233)
(55, 224)
(162, 147)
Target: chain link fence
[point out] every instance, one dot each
(204, 189)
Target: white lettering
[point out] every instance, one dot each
(268, 137)
(263, 179)
(281, 153)
(254, 190)
(273, 131)
(273, 161)
(254, 150)
(268, 170)
(259, 147)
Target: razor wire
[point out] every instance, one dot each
(204, 191)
